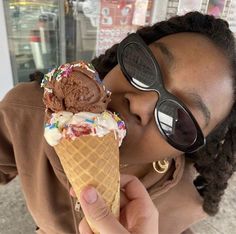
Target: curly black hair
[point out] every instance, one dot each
(216, 161)
(36, 76)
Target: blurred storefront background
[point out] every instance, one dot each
(40, 35)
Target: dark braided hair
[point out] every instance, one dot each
(215, 162)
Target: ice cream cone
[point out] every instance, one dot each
(93, 160)
(85, 135)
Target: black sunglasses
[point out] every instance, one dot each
(175, 122)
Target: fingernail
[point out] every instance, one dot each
(90, 195)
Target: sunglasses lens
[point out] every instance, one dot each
(176, 123)
(138, 65)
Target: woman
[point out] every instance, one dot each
(174, 85)
(196, 57)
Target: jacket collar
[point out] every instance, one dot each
(172, 177)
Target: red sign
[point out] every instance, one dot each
(116, 22)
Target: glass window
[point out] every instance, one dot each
(44, 34)
(33, 33)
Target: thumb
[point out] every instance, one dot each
(97, 212)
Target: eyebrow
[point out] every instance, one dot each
(166, 52)
(197, 101)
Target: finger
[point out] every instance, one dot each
(140, 206)
(134, 189)
(84, 227)
(97, 213)
(72, 192)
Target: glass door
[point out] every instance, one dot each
(34, 36)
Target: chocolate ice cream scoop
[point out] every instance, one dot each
(75, 87)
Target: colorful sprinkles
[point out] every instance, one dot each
(91, 122)
(64, 71)
(87, 126)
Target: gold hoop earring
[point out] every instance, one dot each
(161, 166)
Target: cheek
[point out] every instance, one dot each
(116, 82)
(111, 80)
(107, 81)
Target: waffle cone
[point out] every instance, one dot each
(92, 160)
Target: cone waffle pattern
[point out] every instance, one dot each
(92, 160)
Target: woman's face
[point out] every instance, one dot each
(195, 71)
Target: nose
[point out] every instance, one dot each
(142, 105)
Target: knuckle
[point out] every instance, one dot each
(100, 213)
(132, 178)
(135, 178)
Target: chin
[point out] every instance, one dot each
(127, 155)
(122, 152)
